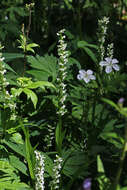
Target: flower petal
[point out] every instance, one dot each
(116, 67)
(89, 72)
(86, 79)
(103, 63)
(79, 77)
(92, 77)
(82, 71)
(115, 61)
(108, 59)
(108, 69)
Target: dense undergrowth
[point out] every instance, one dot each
(63, 95)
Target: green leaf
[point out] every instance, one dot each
(30, 94)
(82, 44)
(41, 84)
(123, 188)
(110, 102)
(19, 148)
(46, 64)
(30, 47)
(100, 167)
(16, 92)
(91, 54)
(16, 163)
(75, 161)
(17, 138)
(38, 74)
(9, 68)
(13, 186)
(30, 156)
(11, 56)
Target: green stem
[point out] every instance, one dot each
(122, 157)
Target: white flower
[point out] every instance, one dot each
(110, 64)
(86, 75)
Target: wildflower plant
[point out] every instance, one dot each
(62, 91)
(39, 171)
(7, 100)
(55, 184)
(103, 26)
(63, 60)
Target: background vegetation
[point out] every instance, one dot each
(91, 136)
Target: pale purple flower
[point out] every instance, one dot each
(121, 100)
(87, 184)
(110, 64)
(86, 75)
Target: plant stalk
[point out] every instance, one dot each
(122, 158)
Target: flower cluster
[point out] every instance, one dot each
(50, 136)
(5, 97)
(39, 171)
(102, 35)
(56, 172)
(63, 59)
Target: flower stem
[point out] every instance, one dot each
(122, 157)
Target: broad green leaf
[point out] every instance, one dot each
(39, 75)
(74, 162)
(17, 138)
(16, 163)
(46, 64)
(41, 84)
(30, 94)
(18, 148)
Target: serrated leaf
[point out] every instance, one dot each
(47, 64)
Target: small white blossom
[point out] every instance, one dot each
(86, 75)
(110, 64)
(2, 58)
(39, 171)
(56, 172)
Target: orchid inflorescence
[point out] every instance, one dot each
(63, 59)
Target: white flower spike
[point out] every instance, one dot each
(86, 75)
(110, 64)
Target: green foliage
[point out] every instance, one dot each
(91, 137)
